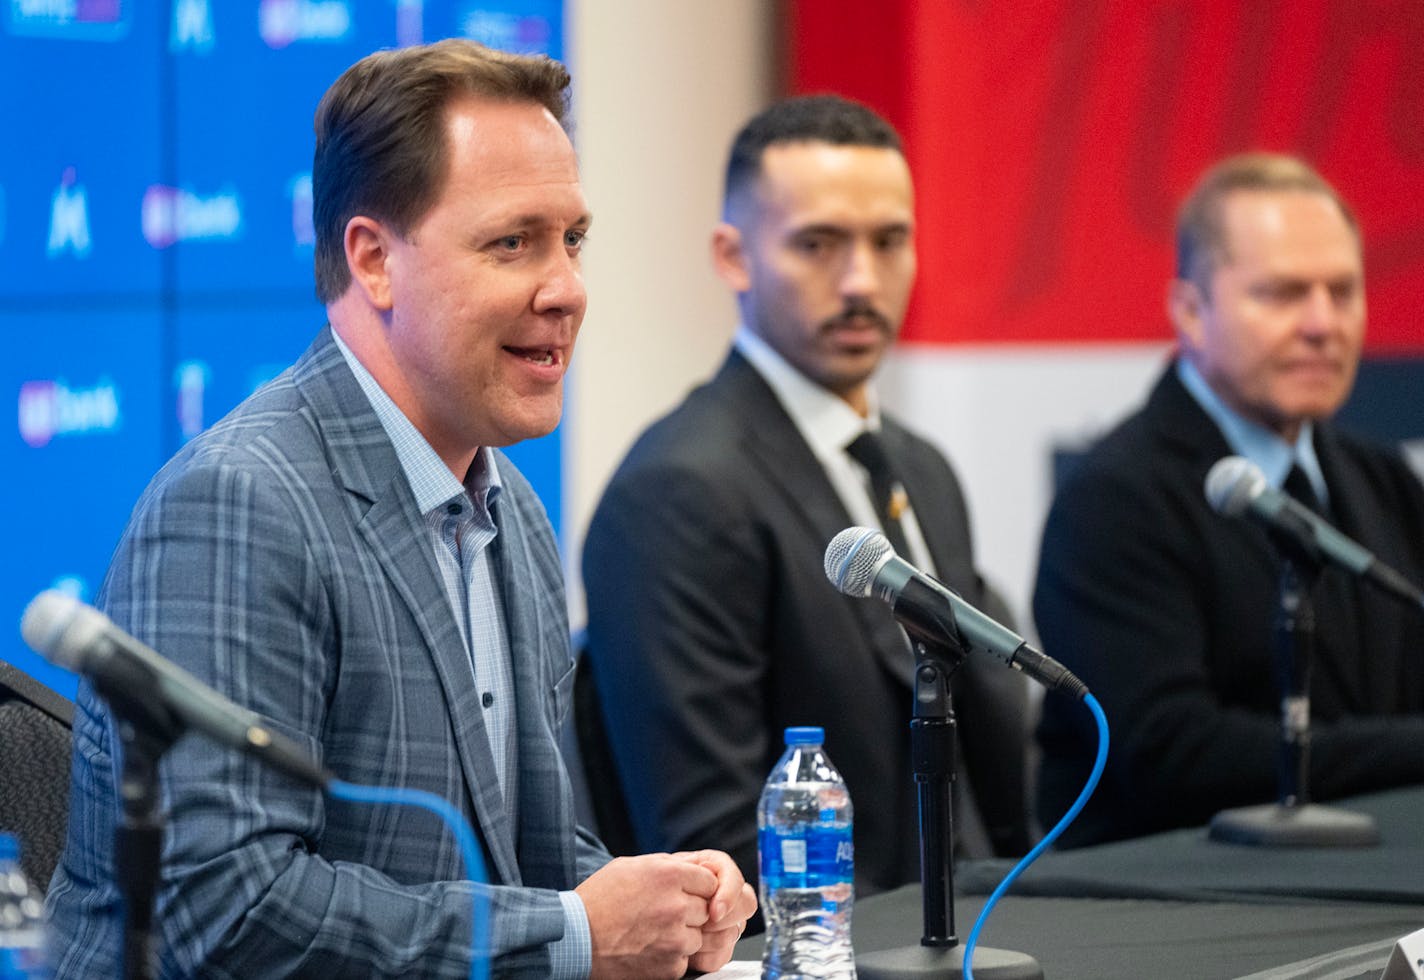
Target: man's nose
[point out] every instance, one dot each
(860, 277)
(562, 290)
(1319, 311)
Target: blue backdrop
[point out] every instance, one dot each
(156, 242)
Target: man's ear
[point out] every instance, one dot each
(1186, 308)
(729, 259)
(368, 256)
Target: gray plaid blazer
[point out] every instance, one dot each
(280, 558)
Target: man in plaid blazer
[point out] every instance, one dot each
(346, 554)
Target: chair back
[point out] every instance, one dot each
(35, 726)
(605, 792)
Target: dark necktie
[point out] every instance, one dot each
(1337, 636)
(1298, 485)
(886, 493)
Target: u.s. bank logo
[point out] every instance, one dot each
(284, 22)
(51, 408)
(192, 28)
(173, 214)
(69, 218)
(521, 34)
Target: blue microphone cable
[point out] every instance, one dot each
(1049, 838)
(464, 836)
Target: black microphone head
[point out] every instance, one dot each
(1232, 483)
(852, 558)
(61, 628)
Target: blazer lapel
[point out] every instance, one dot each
(1185, 426)
(535, 619)
(777, 448)
(1378, 682)
(365, 463)
(1186, 429)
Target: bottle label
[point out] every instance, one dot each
(806, 857)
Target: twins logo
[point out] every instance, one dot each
(284, 22)
(192, 28)
(69, 218)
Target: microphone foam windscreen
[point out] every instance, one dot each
(852, 557)
(1232, 484)
(46, 618)
(61, 628)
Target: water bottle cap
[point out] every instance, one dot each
(9, 847)
(805, 735)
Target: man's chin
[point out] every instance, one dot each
(512, 430)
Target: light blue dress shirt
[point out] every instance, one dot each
(1260, 445)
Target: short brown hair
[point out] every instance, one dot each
(1201, 235)
(380, 135)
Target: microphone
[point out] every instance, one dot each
(1236, 487)
(70, 634)
(860, 562)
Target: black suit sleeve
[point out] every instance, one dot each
(1117, 602)
(678, 597)
(992, 707)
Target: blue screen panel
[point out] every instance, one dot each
(541, 462)
(79, 150)
(522, 26)
(155, 237)
(83, 439)
(238, 213)
(222, 357)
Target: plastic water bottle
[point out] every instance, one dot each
(807, 864)
(22, 925)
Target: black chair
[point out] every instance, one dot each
(605, 792)
(35, 725)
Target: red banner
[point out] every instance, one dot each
(1051, 143)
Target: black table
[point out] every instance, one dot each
(1181, 905)
(1138, 939)
(1187, 865)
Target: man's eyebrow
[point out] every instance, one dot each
(842, 231)
(541, 221)
(820, 228)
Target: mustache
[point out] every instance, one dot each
(859, 311)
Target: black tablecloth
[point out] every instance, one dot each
(1105, 939)
(1181, 905)
(1187, 865)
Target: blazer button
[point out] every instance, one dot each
(487, 699)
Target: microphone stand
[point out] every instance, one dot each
(938, 653)
(146, 731)
(1293, 821)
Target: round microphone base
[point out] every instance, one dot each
(941, 963)
(1307, 825)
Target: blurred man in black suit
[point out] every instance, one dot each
(1164, 607)
(711, 623)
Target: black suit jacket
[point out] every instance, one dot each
(711, 627)
(1165, 609)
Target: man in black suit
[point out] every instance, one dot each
(711, 623)
(1164, 607)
